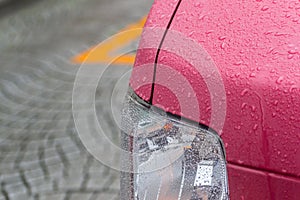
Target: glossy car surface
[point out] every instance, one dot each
(255, 47)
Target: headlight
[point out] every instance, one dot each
(168, 158)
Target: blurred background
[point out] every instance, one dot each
(41, 155)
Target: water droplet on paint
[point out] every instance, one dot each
(265, 8)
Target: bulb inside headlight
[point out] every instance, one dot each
(169, 159)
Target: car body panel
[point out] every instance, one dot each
(255, 46)
(158, 17)
(248, 183)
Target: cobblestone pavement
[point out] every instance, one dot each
(41, 156)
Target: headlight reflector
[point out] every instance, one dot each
(169, 158)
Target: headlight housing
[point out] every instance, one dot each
(168, 158)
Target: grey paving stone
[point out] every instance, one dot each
(60, 196)
(41, 155)
(13, 176)
(28, 165)
(80, 196)
(19, 196)
(56, 171)
(98, 181)
(103, 196)
(71, 182)
(41, 185)
(17, 190)
(115, 185)
(31, 175)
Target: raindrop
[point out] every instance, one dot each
(295, 20)
(292, 51)
(223, 45)
(265, 8)
(162, 16)
(158, 100)
(290, 56)
(202, 17)
(208, 109)
(162, 58)
(244, 105)
(209, 32)
(238, 63)
(279, 80)
(197, 4)
(240, 161)
(245, 91)
(255, 126)
(207, 58)
(231, 21)
(268, 32)
(292, 88)
(237, 75)
(271, 50)
(191, 33)
(279, 34)
(291, 6)
(222, 37)
(252, 74)
(287, 15)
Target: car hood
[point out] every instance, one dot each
(236, 72)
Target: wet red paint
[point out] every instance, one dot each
(256, 47)
(254, 184)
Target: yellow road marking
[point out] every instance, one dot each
(102, 53)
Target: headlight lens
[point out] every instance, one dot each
(169, 159)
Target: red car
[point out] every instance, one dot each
(212, 77)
